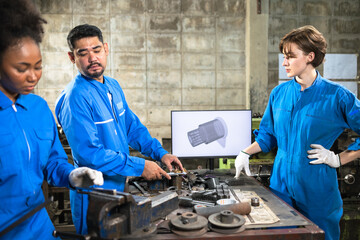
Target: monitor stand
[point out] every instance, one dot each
(211, 164)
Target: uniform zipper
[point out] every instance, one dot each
(112, 105)
(26, 140)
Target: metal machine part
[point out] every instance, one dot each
(255, 202)
(113, 214)
(189, 224)
(237, 208)
(349, 179)
(226, 222)
(118, 215)
(226, 219)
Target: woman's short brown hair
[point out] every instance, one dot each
(308, 39)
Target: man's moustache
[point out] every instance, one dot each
(98, 64)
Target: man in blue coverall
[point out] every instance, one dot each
(100, 126)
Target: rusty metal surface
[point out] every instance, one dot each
(294, 226)
(306, 233)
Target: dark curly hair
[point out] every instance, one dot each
(19, 19)
(308, 39)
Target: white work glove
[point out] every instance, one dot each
(323, 156)
(242, 162)
(85, 177)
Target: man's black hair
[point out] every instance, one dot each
(83, 31)
(19, 19)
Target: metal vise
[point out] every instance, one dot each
(113, 214)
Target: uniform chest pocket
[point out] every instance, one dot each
(42, 144)
(282, 118)
(10, 155)
(317, 116)
(6, 139)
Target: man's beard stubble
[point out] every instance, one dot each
(95, 74)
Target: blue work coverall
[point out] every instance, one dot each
(99, 132)
(292, 121)
(30, 152)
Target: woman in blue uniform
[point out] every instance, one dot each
(30, 151)
(303, 118)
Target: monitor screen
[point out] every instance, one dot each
(211, 134)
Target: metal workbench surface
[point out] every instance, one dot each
(292, 224)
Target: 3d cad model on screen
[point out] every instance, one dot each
(214, 130)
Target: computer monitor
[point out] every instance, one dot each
(210, 134)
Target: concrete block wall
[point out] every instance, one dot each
(338, 20)
(166, 54)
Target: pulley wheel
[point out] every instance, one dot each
(226, 219)
(227, 230)
(191, 233)
(189, 221)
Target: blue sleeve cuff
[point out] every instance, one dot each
(355, 146)
(162, 152)
(266, 142)
(135, 166)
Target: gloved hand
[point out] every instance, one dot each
(242, 162)
(323, 156)
(85, 177)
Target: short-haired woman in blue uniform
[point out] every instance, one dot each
(30, 151)
(303, 118)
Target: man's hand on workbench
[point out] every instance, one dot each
(242, 162)
(169, 160)
(323, 156)
(85, 177)
(153, 171)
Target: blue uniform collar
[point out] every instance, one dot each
(101, 86)
(317, 82)
(5, 102)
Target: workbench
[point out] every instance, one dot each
(291, 224)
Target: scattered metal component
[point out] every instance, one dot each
(227, 230)
(250, 218)
(177, 174)
(189, 224)
(234, 194)
(226, 219)
(349, 179)
(176, 181)
(199, 206)
(192, 233)
(255, 202)
(189, 221)
(212, 182)
(226, 222)
(189, 202)
(225, 201)
(141, 189)
(237, 208)
(223, 191)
